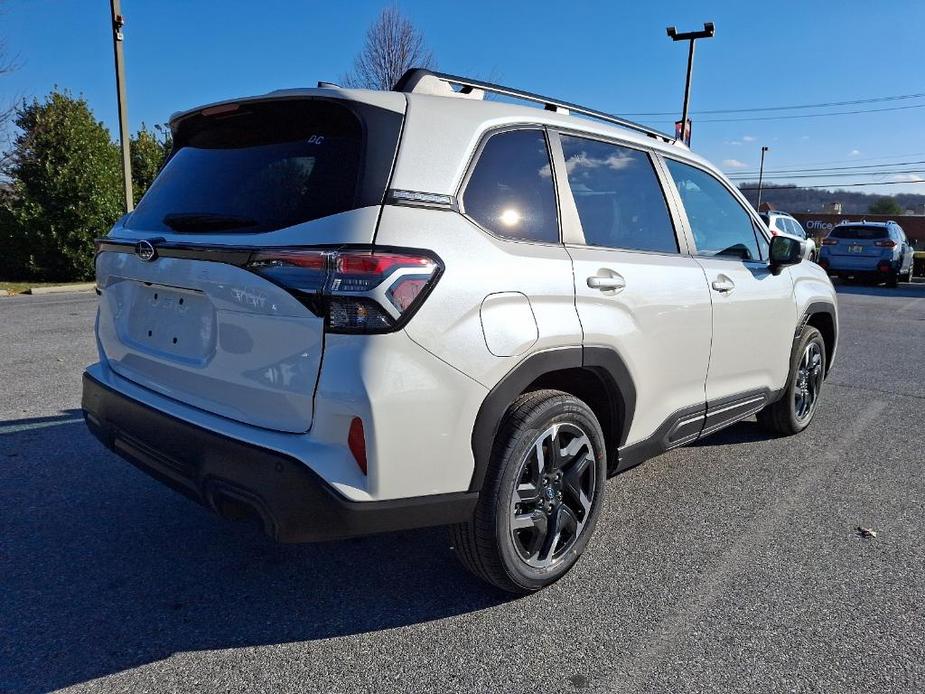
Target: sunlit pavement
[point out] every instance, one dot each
(732, 565)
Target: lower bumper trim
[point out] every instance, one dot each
(237, 479)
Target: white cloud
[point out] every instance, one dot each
(734, 164)
(580, 163)
(907, 178)
(734, 143)
(854, 152)
(748, 138)
(804, 137)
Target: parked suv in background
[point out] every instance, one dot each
(344, 312)
(878, 251)
(783, 223)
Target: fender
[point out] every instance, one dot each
(605, 361)
(812, 309)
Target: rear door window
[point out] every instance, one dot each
(259, 167)
(510, 191)
(618, 195)
(718, 221)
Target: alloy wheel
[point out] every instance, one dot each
(808, 382)
(552, 498)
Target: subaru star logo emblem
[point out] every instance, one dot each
(146, 251)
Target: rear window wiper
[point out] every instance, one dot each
(206, 221)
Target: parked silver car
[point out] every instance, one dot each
(783, 223)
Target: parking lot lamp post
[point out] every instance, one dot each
(117, 22)
(760, 178)
(708, 31)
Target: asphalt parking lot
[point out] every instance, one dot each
(732, 565)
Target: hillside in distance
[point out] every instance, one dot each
(795, 199)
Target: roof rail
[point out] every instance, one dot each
(421, 80)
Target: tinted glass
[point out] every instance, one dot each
(859, 233)
(256, 168)
(720, 225)
(511, 192)
(619, 199)
(798, 229)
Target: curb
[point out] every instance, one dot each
(63, 289)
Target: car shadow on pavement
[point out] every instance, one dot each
(912, 291)
(746, 431)
(103, 569)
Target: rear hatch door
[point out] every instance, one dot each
(858, 241)
(180, 313)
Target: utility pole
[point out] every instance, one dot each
(118, 21)
(760, 178)
(707, 33)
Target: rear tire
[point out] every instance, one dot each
(541, 496)
(892, 280)
(794, 411)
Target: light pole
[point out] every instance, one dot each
(117, 23)
(708, 31)
(760, 178)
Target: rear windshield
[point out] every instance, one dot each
(859, 233)
(259, 167)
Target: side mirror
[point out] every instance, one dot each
(785, 251)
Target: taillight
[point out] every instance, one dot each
(829, 242)
(885, 243)
(356, 290)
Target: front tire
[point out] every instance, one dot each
(541, 497)
(794, 411)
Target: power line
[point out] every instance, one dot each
(833, 168)
(836, 185)
(853, 159)
(826, 104)
(853, 173)
(803, 115)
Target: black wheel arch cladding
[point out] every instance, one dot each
(603, 362)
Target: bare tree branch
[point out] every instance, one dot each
(8, 64)
(393, 45)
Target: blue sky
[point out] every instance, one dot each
(614, 56)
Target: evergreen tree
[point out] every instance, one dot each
(148, 150)
(65, 190)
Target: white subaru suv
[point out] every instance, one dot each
(343, 312)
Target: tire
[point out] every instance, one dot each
(525, 560)
(892, 280)
(792, 413)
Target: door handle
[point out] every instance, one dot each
(723, 284)
(606, 283)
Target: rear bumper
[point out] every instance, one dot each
(847, 265)
(238, 479)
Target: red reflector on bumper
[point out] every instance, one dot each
(356, 441)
